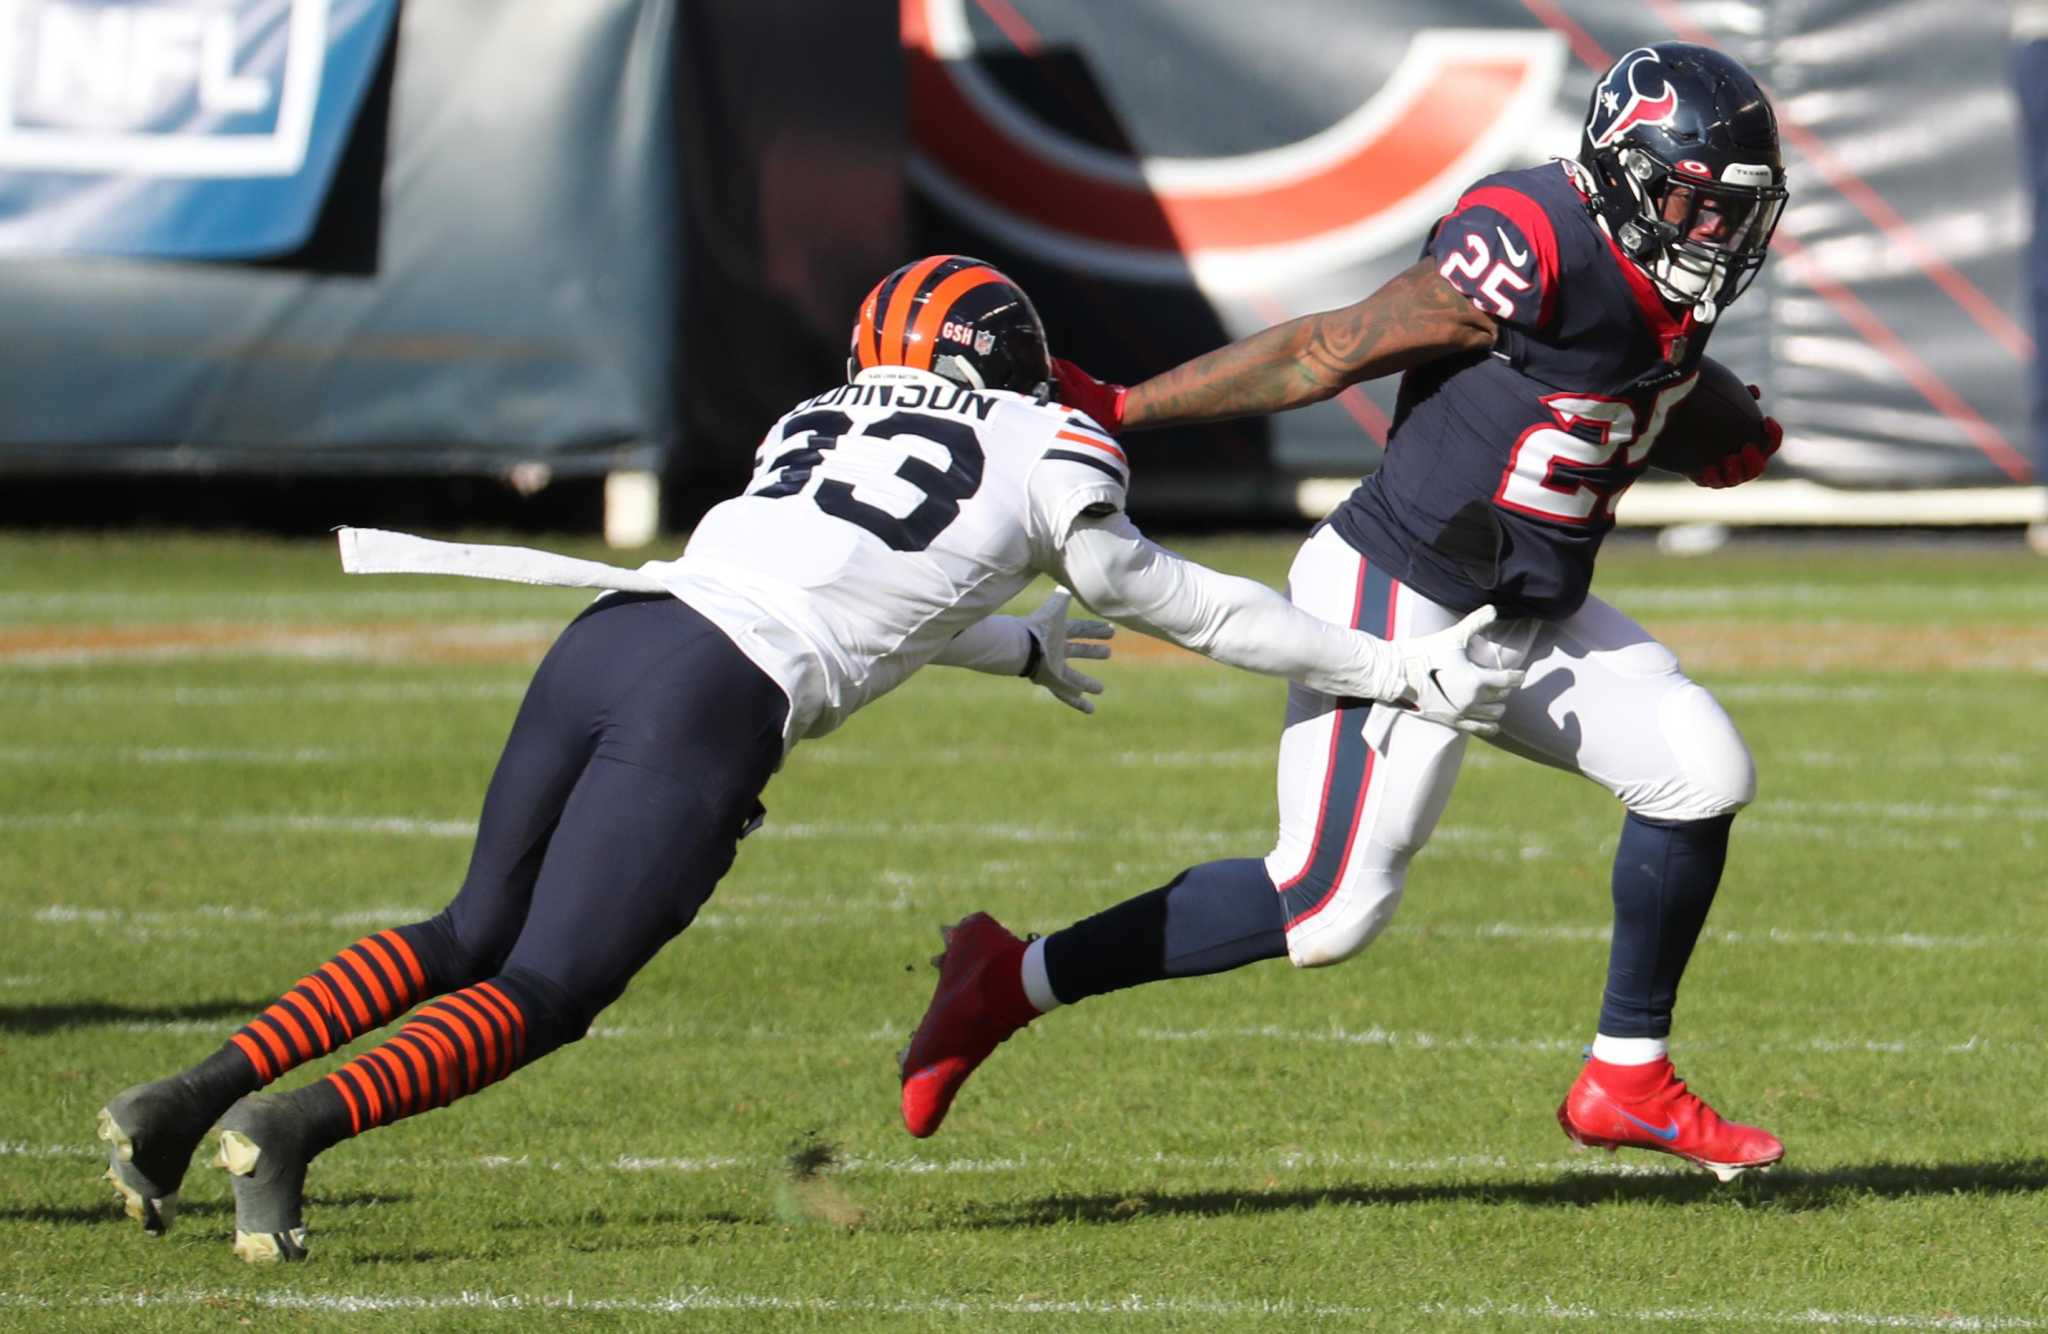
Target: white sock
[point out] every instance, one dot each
(1629, 1051)
(1038, 987)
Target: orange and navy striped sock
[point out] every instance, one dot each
(448, 1050)
(365, 986)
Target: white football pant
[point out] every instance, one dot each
(1361, 788)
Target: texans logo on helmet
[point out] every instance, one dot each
(1635, 92)
(1458, 104)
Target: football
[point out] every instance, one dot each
(1717, 418)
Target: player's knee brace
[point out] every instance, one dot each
(1716, 775)
(1347, 919)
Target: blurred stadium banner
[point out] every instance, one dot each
(1166, 174)
(461, 217)
(531, 238)
(199, 131)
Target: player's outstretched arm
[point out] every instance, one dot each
(1129, 579)
(1416, 317)
(1040, 646)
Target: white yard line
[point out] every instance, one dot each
(1998, 805)
(1411, 1040)
(1891, 759)
(1829, 597)
(44, 756)
(772, 911)
(915, 1165)
(697, 1299)
(1935, 811)
(245, 824)
(336, 692)
(389, 596)
(1373, 1036)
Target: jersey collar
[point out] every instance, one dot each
(1671, 331)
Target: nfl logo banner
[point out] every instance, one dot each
(177, 128)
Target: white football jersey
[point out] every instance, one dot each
(883, 518)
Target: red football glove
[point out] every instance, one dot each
(1098, 398)
(1748, 463)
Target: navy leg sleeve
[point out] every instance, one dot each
(1209, 919)
(1665, 875)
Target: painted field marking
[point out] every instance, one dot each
(1396, 1040)
(42, 648)
(835, 756)
(44, 756)
(1665, 597)
(1286, 1160)
(331, 692)
(471, 595)
(154, 608)
(697, 1299)
(757, 909)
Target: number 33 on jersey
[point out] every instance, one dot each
(906, 507)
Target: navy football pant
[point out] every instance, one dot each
(633, 769)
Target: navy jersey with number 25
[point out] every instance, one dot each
(1501, 466)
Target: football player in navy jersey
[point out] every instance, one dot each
(1557, 316)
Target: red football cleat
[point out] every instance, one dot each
(1648, 1107)
(980, 1001)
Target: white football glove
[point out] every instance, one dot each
(1446, 686)
(1053, 639)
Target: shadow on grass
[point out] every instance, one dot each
(1790, 1190)
(76, 1215)
(88, 1014)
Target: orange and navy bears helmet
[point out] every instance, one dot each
(955, 317)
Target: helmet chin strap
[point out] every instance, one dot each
(1686, 284)
(1665, 275)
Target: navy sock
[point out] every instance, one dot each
(1665, 875)
(1210, 919)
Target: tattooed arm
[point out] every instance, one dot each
(1416, 317)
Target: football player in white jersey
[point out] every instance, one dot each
(885, 521)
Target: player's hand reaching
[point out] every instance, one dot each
(1748, 463)
(1446, 686)
(1098, 398)
(1053, 644)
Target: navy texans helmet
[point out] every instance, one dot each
(956, 317)
(1682, 147)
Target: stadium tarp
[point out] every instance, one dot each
(472, 233)
(1166, 174)
(477, 218)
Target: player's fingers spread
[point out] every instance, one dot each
(1082, 681)
(1086, 650)
(1090, 630)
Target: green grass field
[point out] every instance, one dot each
(223, 760)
